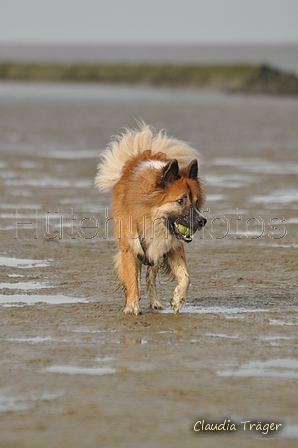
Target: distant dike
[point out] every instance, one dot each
(251, 79)
(268, 80)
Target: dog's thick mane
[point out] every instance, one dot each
(130, 144)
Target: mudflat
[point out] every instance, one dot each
(74, 370)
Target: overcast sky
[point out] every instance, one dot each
(148, 21)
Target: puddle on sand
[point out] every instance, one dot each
(48, 182)
(222, 335)
(277, 197)
(214, 335)
(72, 370)
(20, 207)
(275, 338)
(215, 310)
(215, 197)
(104, 359)
(9, 403)
(280, 322)
(238, 161)
(290, 432)
(86, 330)
(12, 404)
(277, 368)
(28, 165)
(291, 220)
(70, 154)
(24, 286)
(22, 299)
(34, 340)
(22, 262)
(257, 165)
(248, 233)
(228, 180)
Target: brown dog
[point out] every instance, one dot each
(157, 195)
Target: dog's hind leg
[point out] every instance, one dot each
(139, 280)
(151, 287)
(130, 274)
(177, 263)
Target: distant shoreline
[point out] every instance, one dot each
(233, 78)
(283, 56)
(149, 74)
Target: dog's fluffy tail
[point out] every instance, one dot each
(130, 144)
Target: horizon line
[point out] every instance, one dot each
(148, 43)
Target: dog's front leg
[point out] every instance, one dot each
(154, 303)
(177, 263)
(131, 277)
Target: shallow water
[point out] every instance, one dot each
(21, 263)
(24, 299)
(281, 368)
(231, 351)
(73, 370)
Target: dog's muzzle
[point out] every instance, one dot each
(201, 221)
(184, 228)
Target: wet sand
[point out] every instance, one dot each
(74, 370)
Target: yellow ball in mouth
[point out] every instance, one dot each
(185, 230)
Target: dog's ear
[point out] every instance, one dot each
(170, 173)
(192, 169)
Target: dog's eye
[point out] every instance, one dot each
(182, 200)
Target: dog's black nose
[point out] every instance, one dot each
(202, 221)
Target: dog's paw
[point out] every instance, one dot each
(156, 305)
(132, 309)
(177, 305)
